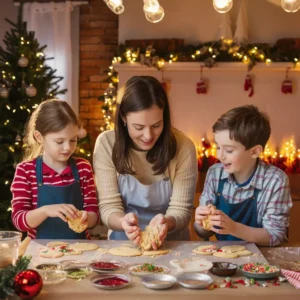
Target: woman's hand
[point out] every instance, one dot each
(226, 224)
(201, 214)
(130, 225)
(160, 220)
(61, 211)
(84, 218)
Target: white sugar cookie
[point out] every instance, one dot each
(125, 251)
(50, 253)
(244, 253)
(233, 248)
(84, 246)
(206, 249)
(155, 252)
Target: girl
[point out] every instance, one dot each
(145, 170)
(49, 185)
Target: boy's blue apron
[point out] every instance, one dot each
(244, 212)
(56, 228)
(146, 201)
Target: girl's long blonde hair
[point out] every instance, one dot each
(50, 116)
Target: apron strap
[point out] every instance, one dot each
(39, 171)
(74, 169)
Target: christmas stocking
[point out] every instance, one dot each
(287, 86)
(201, 87)
(248, 86)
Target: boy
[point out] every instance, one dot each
(252, 198)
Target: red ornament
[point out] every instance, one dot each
(201, 87)
(28, 284)
(248, 86)
(164, 85)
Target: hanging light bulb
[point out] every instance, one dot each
(115, 5)
(222, 6)
(151, 6)
(290, 6)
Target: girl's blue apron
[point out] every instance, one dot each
(56, 228)
(244, 212)
(146, 201)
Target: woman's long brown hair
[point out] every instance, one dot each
(140, 93)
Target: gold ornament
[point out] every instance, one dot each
(31, 91)
(4, 92)
(23, 62)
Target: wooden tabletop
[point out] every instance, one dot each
(83, 289)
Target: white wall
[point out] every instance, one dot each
(9, 11)
(196, 20)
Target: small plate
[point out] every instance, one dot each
(133, 270)
(192, 280)
(66, 262)
(53, 276)
(158, 281)
(106, 265)
(48, 267)
(223, 269)
(111, 281)
(78, 273)
(256, 275)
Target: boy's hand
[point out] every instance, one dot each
(130, 225)
(61, 211)
(201, 214)
(159, 220)
(226, 224)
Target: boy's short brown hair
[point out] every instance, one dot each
(246, 124)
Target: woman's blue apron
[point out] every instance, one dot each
(146, 201)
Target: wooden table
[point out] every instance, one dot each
(73, 290)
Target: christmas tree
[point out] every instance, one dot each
(25, 81)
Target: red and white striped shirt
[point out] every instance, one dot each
(25, 191)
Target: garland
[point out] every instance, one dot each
(8, 274)
(285, 50)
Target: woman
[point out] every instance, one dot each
(145, 170)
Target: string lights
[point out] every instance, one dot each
(154, 12)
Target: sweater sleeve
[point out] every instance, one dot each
(87, 184)
(184, 183)
(106, 177)
(22, 198)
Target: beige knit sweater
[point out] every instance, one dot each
(182, 173)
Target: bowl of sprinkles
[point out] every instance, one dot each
(146, 268)
(259, 270)
(106, 265)
(111, 281)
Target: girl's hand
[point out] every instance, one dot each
(84, 217)
(160, 220)
(130, 225)
(61, 211)
(201, 214)
(226, 224)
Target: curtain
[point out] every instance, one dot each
(57, 26)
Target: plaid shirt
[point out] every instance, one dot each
(273, 202)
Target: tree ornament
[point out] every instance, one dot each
(28, 284)
(82, 133)
(23, 61)
(201, 86)
(248, 86)
(209, 62)
(4, 92)
(31, 91)
(18, 138)
(287, 84)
